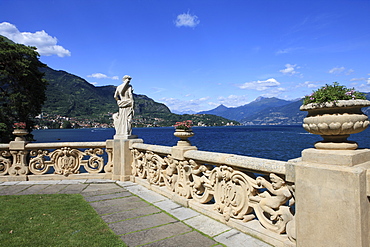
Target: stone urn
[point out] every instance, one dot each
(335, 121)
(20, 133)
(183, 134)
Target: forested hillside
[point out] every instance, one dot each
(72, 99)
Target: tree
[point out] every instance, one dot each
(22, 87)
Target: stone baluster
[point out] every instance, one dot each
(19, 153)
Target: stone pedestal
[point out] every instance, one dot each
(122, 158)
(332, 203)
(177, 152)
(124, 137)
(19, 153)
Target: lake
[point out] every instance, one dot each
(271, 142)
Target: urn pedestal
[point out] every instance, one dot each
(20, 133)
(183, 135)
(335, 122)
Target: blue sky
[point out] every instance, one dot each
(196, 55)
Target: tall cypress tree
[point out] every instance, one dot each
(22, 87)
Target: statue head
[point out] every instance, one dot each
(126, 77)
(276, 181)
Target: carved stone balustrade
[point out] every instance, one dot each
(250, 194)
(20, 160)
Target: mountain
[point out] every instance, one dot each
(270, 111)
(71, 97)
(288, 114)
(245, 111)
(184, 112)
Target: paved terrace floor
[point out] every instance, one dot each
(140, 216)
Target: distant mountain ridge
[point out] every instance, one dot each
(245, 111)
(267, 111)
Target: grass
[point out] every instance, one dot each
(52, 220)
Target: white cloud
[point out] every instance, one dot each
(359, 79)
(309, 84)
(290, 69)
(337, 70)
(276, 92)
(232, 100)
(46, 45)
(187, 20)
(261, 85)
(158, 89)
(350, 71)
(288, 50)
(102, 76)
(178, 105)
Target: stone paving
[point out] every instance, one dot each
(140, 216)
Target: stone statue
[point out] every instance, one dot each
(125, 101)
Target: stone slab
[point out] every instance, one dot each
(77, 181)
(176, 210)
(13, 190)
(73, 189)
(155, 234)
(99, 181)
(191, 239)
(111, 202)
(202, 223)
(108, 196)
(34, 189)
(10, 183)
(128, 214)
(53, 189)
(102, 192)
(141, 223)
(146, 194)
(118, 208)
(237, 238)
(127, 203)
(95, 187)
(41, 182)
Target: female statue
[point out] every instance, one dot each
(125, 101)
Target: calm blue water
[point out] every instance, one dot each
(271, 142)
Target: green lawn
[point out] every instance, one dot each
(52, 220)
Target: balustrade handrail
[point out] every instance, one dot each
(153, 148)
(66, 144)
(239, 161)
(4, 146)
(214, 158)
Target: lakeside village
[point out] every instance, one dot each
(46, 121)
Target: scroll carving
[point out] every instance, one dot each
(5, 163)
(66, 161)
